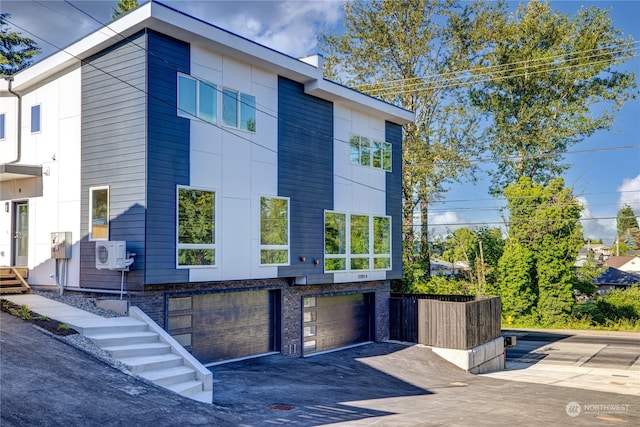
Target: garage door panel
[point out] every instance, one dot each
(339, 321)
(233, 324)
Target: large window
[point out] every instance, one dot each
(335, 241)
(197, 99)
(356, 242)
(99, 213)
(2, 118)
(274, 231)
(365, 153)
(35, 119)
(196, 228)
(359, 233)
(239, 110)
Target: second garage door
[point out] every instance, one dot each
(336, 321)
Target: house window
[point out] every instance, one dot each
(2, 116)
(239, 110)
(368, 241)
(381, 155)
(335, 241)
(35, 119)
(365, 153)
(99, 213)
(360, 150)
(197, 99)
(381, 243)
(359, 233)
(196, 228)
(274, 231)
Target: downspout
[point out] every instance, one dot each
(19, 134)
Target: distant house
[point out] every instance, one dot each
(600, 253)
(443, 268)
(613, 279)
(630, 264)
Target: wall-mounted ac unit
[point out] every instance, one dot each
(111, 255)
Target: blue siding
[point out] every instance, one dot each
(167, 156)
(305, 175)
(393, 135)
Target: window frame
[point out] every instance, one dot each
(372, 255)
(344, 255)
(365, 152)
(196, 246)
(199, 86)
(3, 130)
(240, 105)
(91, 216)
(34, 108)
(271, 247)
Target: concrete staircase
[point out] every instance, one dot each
(150, 352)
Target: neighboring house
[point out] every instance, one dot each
(599, 252)
(612, 279)
(444, 268)
(630, 264)
(260, 202)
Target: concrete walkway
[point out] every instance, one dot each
(74, 317)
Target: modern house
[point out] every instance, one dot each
(243, 202)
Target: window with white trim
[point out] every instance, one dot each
(356, 242)
(99, 213)
(239, 110)
(197, 98)
(36, 119)
(335, 241)
(363, 152)
(196, 240)
(274, 230)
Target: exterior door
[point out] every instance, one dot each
(21, 234)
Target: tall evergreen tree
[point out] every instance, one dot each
(545, 219)
(16, 52)
(626, 220)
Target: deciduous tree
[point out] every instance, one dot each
(547, 81)
(122, 7)
(406, 52)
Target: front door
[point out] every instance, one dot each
(20, 234)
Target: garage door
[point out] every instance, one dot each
(336, 321)
(232, 325)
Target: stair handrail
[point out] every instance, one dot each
(21, 279)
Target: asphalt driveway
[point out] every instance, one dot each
(45, 382)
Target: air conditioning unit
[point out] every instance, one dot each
(111, 255)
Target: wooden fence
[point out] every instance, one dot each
(447, 321)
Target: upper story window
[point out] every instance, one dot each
(2, 119)
(99, 213)
(35, 118)
(197, 99)
(239, 110)
(274, 231)
(356, 242)
(363, 152)
(196, 228)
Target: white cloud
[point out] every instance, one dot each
(441, 224)
(630, 194)
(593, 228)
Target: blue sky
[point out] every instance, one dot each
(604, 176)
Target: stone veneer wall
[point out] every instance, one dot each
(153, 302)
